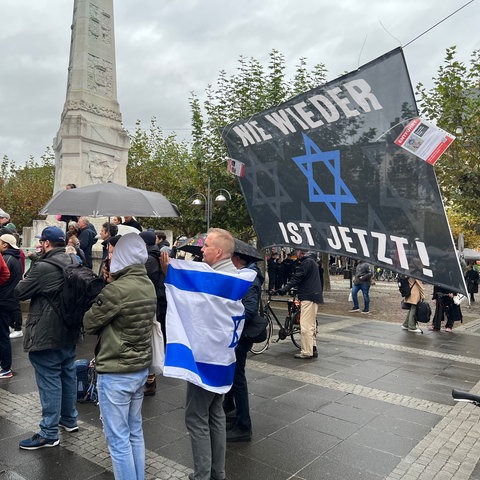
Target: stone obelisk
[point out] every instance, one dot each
(91, 145)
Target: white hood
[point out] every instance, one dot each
(130, 250)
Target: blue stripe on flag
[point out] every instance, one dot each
(211, 283)
(180, 356)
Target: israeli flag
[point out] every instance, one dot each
(205, 318)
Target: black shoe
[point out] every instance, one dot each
(238, 435)
(315, 352)
(150, 388)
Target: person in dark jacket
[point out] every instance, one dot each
(307, 279)
(107, 231)
(122, 317)
(362, 281)
(472, 277)
(237, 398)
(49, 343)
(132, 222)
(444, 306)
(157, 277)
(87, 238)
(10, 306)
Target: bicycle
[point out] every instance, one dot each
(291, 327)
(461, 396)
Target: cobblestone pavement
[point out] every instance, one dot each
(375, 404)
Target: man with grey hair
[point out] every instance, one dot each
(204, 414)
(87, 239)
(307, 279)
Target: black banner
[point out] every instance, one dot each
(322, 172)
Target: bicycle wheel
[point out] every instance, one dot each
(260, 347)
(296, 337)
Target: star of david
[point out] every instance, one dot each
(236, 323)
(332, 161)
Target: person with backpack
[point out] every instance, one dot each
(50, 345)
(416, 295)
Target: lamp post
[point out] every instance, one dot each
(199, 200)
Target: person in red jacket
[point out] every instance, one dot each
(4, 271)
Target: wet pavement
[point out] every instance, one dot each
(376, 404)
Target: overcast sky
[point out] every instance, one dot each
(166, 49)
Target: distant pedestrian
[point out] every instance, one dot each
(307, 279)
(362, 281)
(417, 293)
(444, 307)
(472, 277)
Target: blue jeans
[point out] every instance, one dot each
(120, 396)
(56, 378)
(364, 287)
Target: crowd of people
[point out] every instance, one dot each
(134, 268)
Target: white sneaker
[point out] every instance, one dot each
(354, 310)
(16, 334)
(415, 330)
(404, 327)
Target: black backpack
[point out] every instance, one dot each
(404, 287)
(80, 288)
(424, 312)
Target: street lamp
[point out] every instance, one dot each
(199, 200)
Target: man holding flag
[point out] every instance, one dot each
(205, 318)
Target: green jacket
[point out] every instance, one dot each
(122, 317)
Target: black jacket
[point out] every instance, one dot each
(307, 279)
(12, 259)
(45, 329)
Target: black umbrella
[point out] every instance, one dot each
(194, 246)
(107, 199)
(247, 251)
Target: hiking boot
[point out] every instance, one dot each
(73, 429)
(37, 441)
(6, 373)
(150, 388)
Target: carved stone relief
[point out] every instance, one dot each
(92, 108)
(100, 25)
(102, 167)
(100, 76)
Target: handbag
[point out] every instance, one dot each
(458, 299)
(158, 349)
(405, 305)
